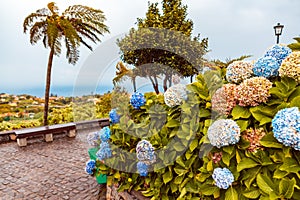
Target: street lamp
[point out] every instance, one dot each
(278, 30)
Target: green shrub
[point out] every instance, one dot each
(263, 168)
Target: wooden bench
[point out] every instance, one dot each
(7, 136)
(95, 123)
(47, 131)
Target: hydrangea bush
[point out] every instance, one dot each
(224, 99)
(137, 100)
(279, 52)
(175, 95)
(238, 71)
(223, 132)
(253, 91)
(250, 153)
(266, 66)
(286, 127)
(223, 177)
(290, 66)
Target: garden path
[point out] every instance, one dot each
(51, 171)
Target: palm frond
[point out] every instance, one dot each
(76, 24)
(72, 53)
(30, 19)
(84, 12)
(37, 31)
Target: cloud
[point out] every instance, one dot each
(233, 27)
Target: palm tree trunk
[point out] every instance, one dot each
(47, 89)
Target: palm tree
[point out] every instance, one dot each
(74, 25)
(123, 72)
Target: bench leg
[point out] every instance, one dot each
(49, 137)
(22, 142)
(72, 133)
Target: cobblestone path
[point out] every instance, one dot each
(47, 170)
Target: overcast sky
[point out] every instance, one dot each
(233, 27)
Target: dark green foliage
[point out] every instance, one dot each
(162, 45)
(184, 168)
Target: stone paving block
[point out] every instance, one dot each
(47, 170)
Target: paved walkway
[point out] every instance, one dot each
(47, 170)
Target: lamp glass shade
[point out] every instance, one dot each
(278, 29)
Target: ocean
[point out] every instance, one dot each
(65, 91)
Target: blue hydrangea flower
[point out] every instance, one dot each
(223, 177)
(223, 132)
(137, 100)
(279, 52)
(286, 127)
(145, 152)
(89, 171)
(104, 134)
(90, 166)
(266, 66)
(104, 151)
(114, 117)
(142, 168)
(93, 139)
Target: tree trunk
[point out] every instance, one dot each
(191, 78)
(47, 89)
(154, 84)
(165, 83)
(134, 83)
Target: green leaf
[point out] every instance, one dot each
(240, 112)
(279, 174)
(262, 114)
(231, 194)
(253, 194)
(243, 124)
(180, 171)
(290, 165)
(174, 187)
(226, 159)
(208, 189)
(167, 177)
(228, 149)
(295, 94)
(179, 160)
(178, 179)
(210, 167)
(183, 192)
(192, 187)
(246, 163)
(264, 183)
(286, 187)
(270, 142)
(194, 144)
(172, 123)
(178, 146)
(295, 102)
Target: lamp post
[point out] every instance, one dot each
(278, 30)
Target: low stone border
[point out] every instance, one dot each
(113, 194)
